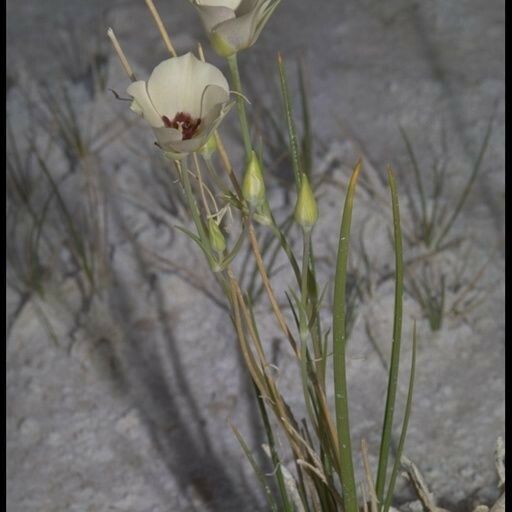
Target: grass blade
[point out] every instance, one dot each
(407, 413)
(419, 182)
(307, 138)
(339, 345)
(259, 473)
(287, 507)
(292, 132)
(464, 194)
(395, 350)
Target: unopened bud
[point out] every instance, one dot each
(217, 240)
(306, 211)
(253, 187)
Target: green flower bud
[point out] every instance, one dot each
(253, 187)
(217, 240)
(209, 148)
(306, 211)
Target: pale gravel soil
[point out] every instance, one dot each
(129, 412)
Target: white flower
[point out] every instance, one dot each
(234, 25)
(184, 101)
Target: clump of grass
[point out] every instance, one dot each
(433, 218)
(433, 225)
(56, 233)
(81, 54)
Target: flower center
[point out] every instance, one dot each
(184, 123)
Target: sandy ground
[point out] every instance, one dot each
(122, 404)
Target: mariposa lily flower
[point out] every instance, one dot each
(184, 100)
(234, 25)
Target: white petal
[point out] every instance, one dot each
(177, 85)
(267, 11)
(143, 105)
(211, 16)
(240, 32)
(247, 6)
(166, 136)
(212, 96)
(230, 4)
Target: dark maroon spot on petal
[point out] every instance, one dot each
(184, 123)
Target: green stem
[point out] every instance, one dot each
(303, 323)
(339, 346)
(194, 209)
(316, 332)
(240, 104)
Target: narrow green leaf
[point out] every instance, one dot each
(419, 182)
(75, 237)
(407, 413)
(339, 346)
(259, 473)
(292, 132)
(395, 350)
(307, 138)
(465, 192)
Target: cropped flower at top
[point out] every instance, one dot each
(184, 100)
(233, 25)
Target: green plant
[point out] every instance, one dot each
(323, 476)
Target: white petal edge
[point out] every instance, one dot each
(144, 106)
(212, 96)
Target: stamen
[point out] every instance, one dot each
(184, 123)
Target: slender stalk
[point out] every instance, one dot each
(304, 283)
(194, 209)
(161, 27)
(266, 282)
(316, 331)
(122, 57)
(339, 346)
(395, 350)
(240, 105)
(303, 323)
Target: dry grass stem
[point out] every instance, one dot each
(122, 57)
(369, 479)
(161, 27)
